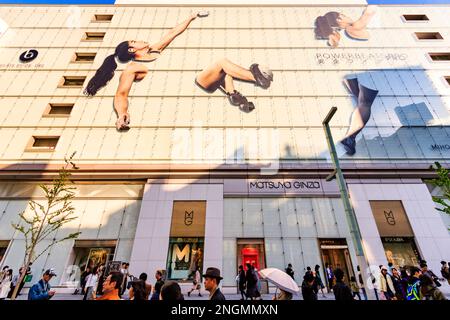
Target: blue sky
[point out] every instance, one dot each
(112, 1)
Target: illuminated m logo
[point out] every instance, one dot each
(179, 255)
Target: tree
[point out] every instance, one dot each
(47, 218)
(443, 182)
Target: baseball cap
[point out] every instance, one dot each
(50, 272)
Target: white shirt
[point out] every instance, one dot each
(91, 280)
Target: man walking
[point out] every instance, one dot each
(42, 289)
(111, 287)
(212, 280)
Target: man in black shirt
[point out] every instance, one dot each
(212, 280)
(341, 291)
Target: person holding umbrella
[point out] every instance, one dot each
(282, 281)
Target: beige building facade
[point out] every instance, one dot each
(196, 182)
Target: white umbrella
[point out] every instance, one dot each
(281, 279)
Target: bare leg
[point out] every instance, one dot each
(365, 18)
(229, 85)
(360, 117)
(214, 73)
(357, 29)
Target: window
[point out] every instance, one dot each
(102, 18)
(84, 57)
(39, 143)
(447, 79)
(94, 36)
(58, 110)
(72, 81)
(439, 56)
(428, 36)
(415, 17)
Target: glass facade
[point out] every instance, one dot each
(290, 228)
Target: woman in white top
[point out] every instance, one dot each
(136, 52)
(5, 284)
(90, 289)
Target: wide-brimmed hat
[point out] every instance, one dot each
(212, 273)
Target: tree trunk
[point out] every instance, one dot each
(21, 278)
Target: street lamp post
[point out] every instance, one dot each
(349, 213)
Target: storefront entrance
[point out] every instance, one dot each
(396, 233)
(91, 254)
(401, 251)
(252, 251)
(186, 242)
(335, 254)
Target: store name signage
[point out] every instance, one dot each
(284, 185)
(188, 218)
(394, 239)
(390, 219)
(336, 57)
(440, 147)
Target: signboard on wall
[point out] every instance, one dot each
(188, 219)
(391, 219)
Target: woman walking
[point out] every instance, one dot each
(90, 290)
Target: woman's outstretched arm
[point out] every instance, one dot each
(172, 34)
(131, 73)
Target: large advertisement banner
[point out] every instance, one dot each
(225, 84)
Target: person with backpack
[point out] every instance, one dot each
(445, 272)
(413, 291)
(386, 284)
(428, 290)
(427, 272)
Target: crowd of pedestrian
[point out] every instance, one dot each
(406, 283)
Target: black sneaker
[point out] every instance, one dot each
(349, 145)
(260, 80)
(236, 98)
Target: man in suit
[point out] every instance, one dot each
(212, 279)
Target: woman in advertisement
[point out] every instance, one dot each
(222, 73)
(135, 53)
(329, 25)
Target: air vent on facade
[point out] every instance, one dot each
(94, 36)
(440, 56)
(58, 110)
(428, 35)
(84, 57)
(103, 17)
(39, 143)
(415, 17)
(72, 81)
